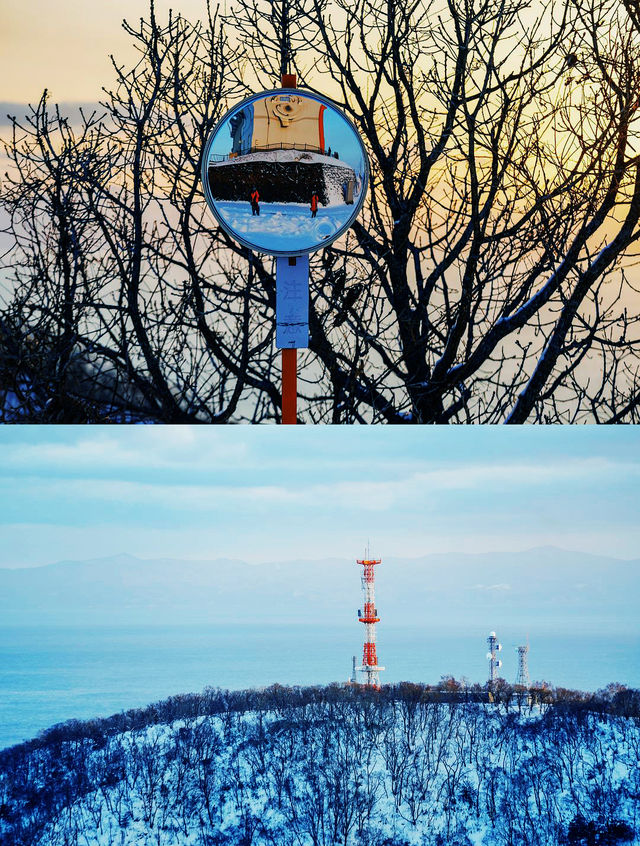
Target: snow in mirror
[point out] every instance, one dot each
(285, 172)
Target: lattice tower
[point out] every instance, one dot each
(522, 679)
(370, 666)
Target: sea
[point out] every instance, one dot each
(49, 675)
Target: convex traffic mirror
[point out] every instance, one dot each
(285, 172)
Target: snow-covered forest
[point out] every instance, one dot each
(409, 764)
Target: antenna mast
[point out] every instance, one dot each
(370, 618)
(492, 655)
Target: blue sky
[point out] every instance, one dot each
(271, 493)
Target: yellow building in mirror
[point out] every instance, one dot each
(288, 121)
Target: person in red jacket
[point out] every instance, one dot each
(314, 204)
(255, 201)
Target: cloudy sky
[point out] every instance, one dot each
(271, 493)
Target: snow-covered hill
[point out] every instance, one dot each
(346, 767)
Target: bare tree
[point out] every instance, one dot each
(488, 279)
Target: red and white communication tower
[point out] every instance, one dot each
(370, 618)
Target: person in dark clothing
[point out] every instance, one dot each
(314, 203)
(255, 202)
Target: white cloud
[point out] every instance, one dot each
(421, 486)
(320, 469)
(152, 447)
(417, 489)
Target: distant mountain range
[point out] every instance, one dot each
(546, 585)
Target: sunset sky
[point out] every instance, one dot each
(65, 45)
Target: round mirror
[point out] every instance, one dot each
(285, 172)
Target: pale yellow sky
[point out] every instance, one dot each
(64, 45)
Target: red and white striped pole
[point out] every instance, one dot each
(370, 666)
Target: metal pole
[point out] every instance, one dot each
(289, 386)
(289, 356)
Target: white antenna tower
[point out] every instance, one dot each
(492, 655)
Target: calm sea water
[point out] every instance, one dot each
(48, 675)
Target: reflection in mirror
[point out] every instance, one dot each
(286, 172)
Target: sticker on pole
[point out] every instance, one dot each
(292, 302)
(285, 172)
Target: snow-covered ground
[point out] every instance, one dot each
(304, 156)
(284, 226)
(395, 774)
